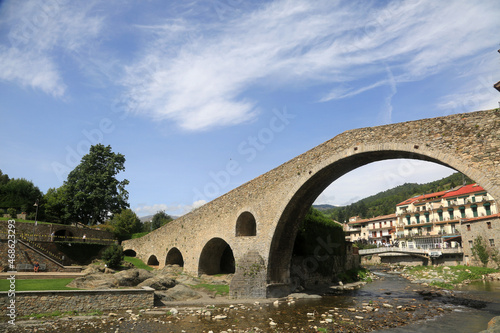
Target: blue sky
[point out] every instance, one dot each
(203, 96)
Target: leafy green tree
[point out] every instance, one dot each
(480, 250)
(55, 205)
(92, 190)
(126, 223)
(160, 219)
(113, 256)
(20, 194)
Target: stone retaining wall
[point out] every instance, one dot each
(83, 301)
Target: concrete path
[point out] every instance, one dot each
(41, 275)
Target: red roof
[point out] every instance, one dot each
(466, 189)
(376, 218)
(422, 197)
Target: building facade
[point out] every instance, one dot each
(378, 230)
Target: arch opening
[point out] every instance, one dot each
(63, 235)
(153, 261)
(129, 253)
(216, 258)
(246, 225)
(283, 242)
(174, 257)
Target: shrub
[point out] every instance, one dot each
(12, 212)
(113, 256)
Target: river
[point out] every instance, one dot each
(390, 304)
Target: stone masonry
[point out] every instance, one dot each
(278, 200)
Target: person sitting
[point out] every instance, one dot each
(36, 267)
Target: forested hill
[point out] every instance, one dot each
(385, 202)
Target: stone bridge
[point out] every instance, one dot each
(251, 230)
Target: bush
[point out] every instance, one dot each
(113, 256)
(12, 212)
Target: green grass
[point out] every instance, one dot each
(220, 289)
(137, 263)
(452, 276)
(26, 221)
(139, 234)
(37, 284)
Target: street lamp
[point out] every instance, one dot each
(36, 216)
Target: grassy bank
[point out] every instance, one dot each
(37, 284)
(138, 263)
(446, 276)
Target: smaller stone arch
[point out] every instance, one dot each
(153, 261)
(129, 253)
(174, 257)
(246, 225)
(63, 235)
(216, 258)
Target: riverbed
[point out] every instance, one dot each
(389, 304)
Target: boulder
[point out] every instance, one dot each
(93, 269)
(178, 293)
(132, 277)
(94, 281)
(158, 283)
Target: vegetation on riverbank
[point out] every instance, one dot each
(138, 263)
(38, 284)
(446, 277)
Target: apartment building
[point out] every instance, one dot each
(377, 230)
(436, 220)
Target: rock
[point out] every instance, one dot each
(108, 270)
(178, 293)
(174, 311)
(359, 317)
(220, 317)
(94, 281)
(276, 303)
(132, 277)
(93, 269)
(386, 305)
(158, 283)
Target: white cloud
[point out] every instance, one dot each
(36, 31)
(176, 210)
(197, 75)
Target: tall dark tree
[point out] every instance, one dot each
(4, 178)
(92, 188)
(20, 194)
(159, 219)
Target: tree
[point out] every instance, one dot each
(4, 178)
(92, 190)
(55, 205)
(113, 256)
(160, 219)
(126, 223)
(20, 194)
(480, 250)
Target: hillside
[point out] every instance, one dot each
(385, 202)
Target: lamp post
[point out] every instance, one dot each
(36, 216)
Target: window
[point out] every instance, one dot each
(487, 208)
(488, 224)
(450, 211)
(440, 214)
(468, 227)
(492, 242)
(462, 211)
(474, 210)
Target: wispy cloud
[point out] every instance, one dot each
(197, 75)
(37, 31)
(144, 210)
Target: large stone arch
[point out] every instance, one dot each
(329, 169)
(216, 257)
